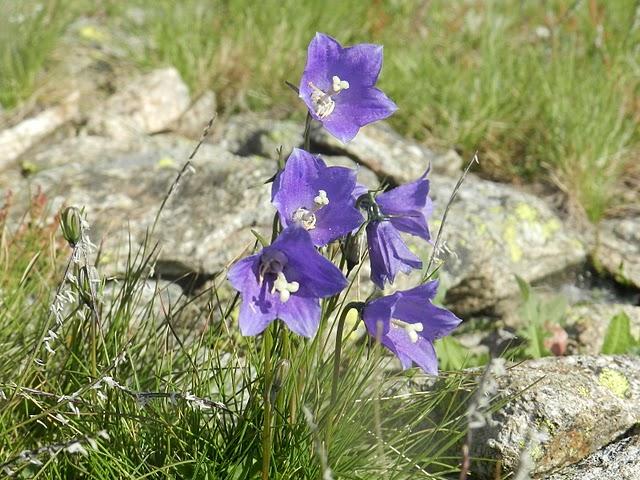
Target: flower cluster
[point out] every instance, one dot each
(319, 205)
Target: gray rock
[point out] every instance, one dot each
(148, 104)
(620, 460)
(203, 227)
(587, 325)
(18, 139)
(192, 122)
(365, 176)
(251, 134)
(389, 155)
(580, 403)
(494, 231)
(619, 249)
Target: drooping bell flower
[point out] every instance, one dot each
(403, 209)
(388, 254)
(407, 323)
(316, 197)
(285, 280)
(338, 86)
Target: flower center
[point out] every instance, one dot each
(274, 262)
(412, 329)
(322, 102)
(307, 218)
(284, 288)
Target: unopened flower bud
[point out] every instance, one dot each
(86, 277)
(71, 225)
(352, 250)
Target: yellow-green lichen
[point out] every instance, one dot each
(536, 452)
(166, 162)
(526, 212)
(583, 391)
(550, 227)
(510, 237)
(614, 381)
(89, 32)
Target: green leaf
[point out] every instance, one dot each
(525, 288)
(536, 335)
(618, 338)
(554, 310)
(452, 355)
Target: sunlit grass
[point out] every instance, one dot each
(166, 359)
(545, 91)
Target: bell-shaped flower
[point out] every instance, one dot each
(408, 207)
(407, 323)
(285, 280)
(316, 197)
(403, 209)
(338, 86)
(388, 254)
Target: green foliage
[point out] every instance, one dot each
(453, 356)
(29, 32)
(543, 90)
(618, 338)
(536, 314)
(165, 358)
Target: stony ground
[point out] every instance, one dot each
(115, 151)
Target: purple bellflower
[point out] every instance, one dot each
(407, 323)
(285, 281)
(318, 198)
(404, 209)
(338, 86)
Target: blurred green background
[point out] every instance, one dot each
(547, 91)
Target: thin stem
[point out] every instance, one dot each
(266, 425)
(446, 212)
(188, 166)
(307, 132)
(338, 350)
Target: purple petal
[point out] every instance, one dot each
(377, 315)
(337, 221)
(355, 108)
(409, 207)
(421, 352)
(359, 190)
(258, 307)
(302, 315)
(414, 306)
(388, 254)
(361, 64)
(322, 55)
(293, 187)
(317, 276)
(243, 274)
(300, 182)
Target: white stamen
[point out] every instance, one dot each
(322, 101)
(305, 218)
(412, 329)
(339, 85)
(284, 288)
(321, 199)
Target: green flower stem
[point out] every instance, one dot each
(338, 350)
(307, 132)
(266, 424)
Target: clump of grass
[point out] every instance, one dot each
(128, 386)
(29, 32)
(543, 91)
